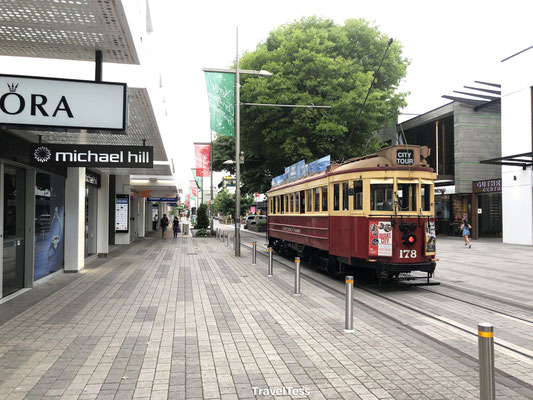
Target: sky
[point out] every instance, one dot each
(449, 44)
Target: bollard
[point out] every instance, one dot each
(297, 276)
(270, 261)
(254, 253)
(487, 386)
(227, 238)
(348, 323)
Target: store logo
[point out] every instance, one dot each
(42, 154)
(13, 103)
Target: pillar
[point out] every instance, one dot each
(74, 219)
(102, 225)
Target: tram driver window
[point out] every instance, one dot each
(336, 197)
(358, 195)
(317, 199)
(407, 196)
(381, 197)
(426, 198)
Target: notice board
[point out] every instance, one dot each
(122, 215)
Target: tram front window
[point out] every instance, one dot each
(426, 197)
(407, 196)
(381, 197)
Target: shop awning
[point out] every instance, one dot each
(517, 160)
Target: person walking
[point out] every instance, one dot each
(176, 226)
(164, 224)
(465, 231)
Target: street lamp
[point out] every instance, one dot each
(237, 73)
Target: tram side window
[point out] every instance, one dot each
(407, 196)
(309, 200)
(381, 197)
(336, 197)
(426, 198)
(287, 204)
(302, 202)
(317, 199)
(297, 202)
(358, 195)
(324, 198)
(345, 197)
(282, 204)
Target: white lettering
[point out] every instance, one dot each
(62, 156)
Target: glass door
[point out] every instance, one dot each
(14, 203)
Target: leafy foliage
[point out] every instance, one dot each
(202, 221)
(224, 203)
(203, 232)
(313, 61)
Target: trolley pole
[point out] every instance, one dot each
(297, 276)
(348, 320)
(270, 261)
(487, 385)
(254, 253)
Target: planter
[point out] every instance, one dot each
(257, 228)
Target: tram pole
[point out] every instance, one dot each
(487, 385)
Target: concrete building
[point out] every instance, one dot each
(55, 217)
(461, 134)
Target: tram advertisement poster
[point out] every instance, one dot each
(430, 239)
(380, 238)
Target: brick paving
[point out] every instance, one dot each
(185, 319)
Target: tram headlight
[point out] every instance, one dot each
(409, 239)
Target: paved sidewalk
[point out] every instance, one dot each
(184, 318)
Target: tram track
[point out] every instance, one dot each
(508, 348)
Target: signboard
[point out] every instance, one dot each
(380, 238)
(487, 186)
(405, 157)
(62, 103)
(122, 215)
(93, 178)
(163, 199)
(430, 238)
(88, 155)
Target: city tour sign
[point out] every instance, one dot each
(62, 103)
(83, 155)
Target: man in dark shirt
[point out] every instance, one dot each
(164, 225)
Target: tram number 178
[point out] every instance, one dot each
(407, 253)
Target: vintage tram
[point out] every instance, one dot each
(374, 213)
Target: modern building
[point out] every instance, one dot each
(55, 217)
(460, 134)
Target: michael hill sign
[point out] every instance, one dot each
(79, 155)
(62, 103)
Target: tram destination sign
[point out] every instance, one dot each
(82, 155)
(405, 157)
(62, 103)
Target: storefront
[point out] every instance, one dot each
(487, 204)
(450, 210)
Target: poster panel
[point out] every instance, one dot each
(430, 247)
(122, 215)
(380, 238)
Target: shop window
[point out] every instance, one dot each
(426, 197)
(407, 196)
(309, 200)
(345, 197)
(317, 199)
(358, 195)
(302, 202)
(336, 197)
(381, 197)
(49, 224)
(324, 198)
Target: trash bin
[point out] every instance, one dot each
(185, 229)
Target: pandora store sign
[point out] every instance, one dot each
(62, 103)
(79, 155)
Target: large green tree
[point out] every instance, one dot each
(314, 61)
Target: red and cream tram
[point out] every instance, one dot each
(375, 212)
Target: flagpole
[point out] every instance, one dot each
(211, 166)
(237, 153)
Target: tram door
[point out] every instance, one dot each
(14, 184)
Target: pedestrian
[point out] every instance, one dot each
(465, 231)
(176, 226)
(164, 224)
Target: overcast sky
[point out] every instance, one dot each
(450, 44)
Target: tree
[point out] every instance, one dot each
(224, 203)
(314, 61)
(202, 222)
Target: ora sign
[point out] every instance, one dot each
(62, 103)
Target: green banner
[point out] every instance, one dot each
(193, 197)
(221, 96)
(197, 179)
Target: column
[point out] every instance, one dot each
(74, 219)
(141, 227)
(102, 225)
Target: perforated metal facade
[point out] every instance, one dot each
(66, 29)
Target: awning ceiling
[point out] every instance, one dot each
(517, 160)
(480, 96)
(68, 30)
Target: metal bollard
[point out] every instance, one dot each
(254, 253)
(227, 239)
(270, 261)
(487, 385)
(297, 276)
(348, 322)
